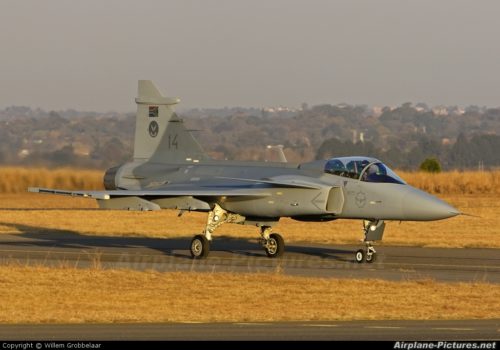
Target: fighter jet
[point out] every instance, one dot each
(170, 170)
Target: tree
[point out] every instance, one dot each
(431, 165)
(461, 153)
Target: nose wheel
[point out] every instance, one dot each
(360, 256)
(367, 255)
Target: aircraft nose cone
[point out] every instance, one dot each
(421, 206)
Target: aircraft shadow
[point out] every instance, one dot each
(51, 237)
(57, 238)
(250, 247)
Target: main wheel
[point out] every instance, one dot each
(275, 246)
(360, 256)
(200, 247)
(371, 257)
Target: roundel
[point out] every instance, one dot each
(153, 129)
(360, 199)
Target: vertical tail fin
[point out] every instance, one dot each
(160, 136)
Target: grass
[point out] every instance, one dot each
(17, 179)
(28, 212)
(455, 182)
(43, 295)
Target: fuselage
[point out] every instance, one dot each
(320, 193)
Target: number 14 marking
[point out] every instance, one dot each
(172, 141)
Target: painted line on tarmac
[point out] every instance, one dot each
(444, 265)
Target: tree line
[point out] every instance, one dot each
(401, 136)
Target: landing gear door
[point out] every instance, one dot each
(374, 231)
(335, 200)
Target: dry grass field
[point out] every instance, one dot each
(455, 182)
(17, 180)
(43, 295)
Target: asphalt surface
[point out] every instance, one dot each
(351, 330)
(67, 248)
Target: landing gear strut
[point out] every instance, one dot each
(200, 244)
(371, 254)
(373, 231)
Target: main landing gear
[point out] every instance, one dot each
(200, 247)
(373, 231)
(273, 243)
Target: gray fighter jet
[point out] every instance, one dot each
(171, 171)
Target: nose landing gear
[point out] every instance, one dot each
(369, 255)
(373, 230)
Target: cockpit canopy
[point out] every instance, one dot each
(362, 168)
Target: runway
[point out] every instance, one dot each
(345, 330)
(67, 248)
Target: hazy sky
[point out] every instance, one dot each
(88, 55)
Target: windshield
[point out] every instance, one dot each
(362, 168)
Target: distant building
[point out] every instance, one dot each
(281, 111)
(23, 153)
(440, 110)
(377, 111)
